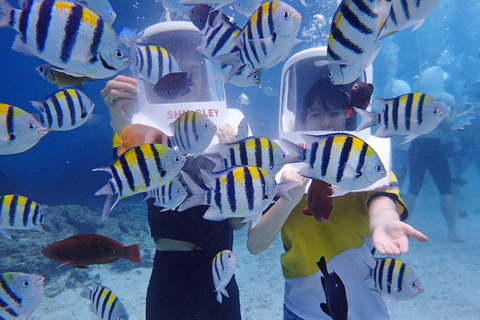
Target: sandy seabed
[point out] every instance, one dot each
(449, 272)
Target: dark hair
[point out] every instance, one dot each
(327, 94)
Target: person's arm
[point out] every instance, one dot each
(262, 236)
(121, 97)
(389, 234)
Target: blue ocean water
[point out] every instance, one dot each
(58, 170)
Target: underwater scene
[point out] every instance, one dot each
(239, 159)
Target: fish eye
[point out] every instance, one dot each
(286, 15)
(26, 284)
(355, 86)
(255, 76)
(176, 159)
(206, 125)
(414, 284)
(119, 54)
(378, 168)
(31, 126)
(330, 74)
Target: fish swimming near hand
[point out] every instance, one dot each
(353, 36)
(359, 97)
(265, 40)
(67, 35)
(336, 306)
(64, 110)
(174, 85)
(19, 130)
(319, 200)
(169, 196)
(20, 294)
(411, 114)
(240, 191)
(407, 13)
(83, 250)
(133, 135)
(395, 279)
(60, 79)
(22, 213)
(223, 268)
(192, 132)
(343, 160)
(139, 169)
(103, 302)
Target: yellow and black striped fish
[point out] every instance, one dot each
(394, 279)
(19, 130)
(152, 62)
(407, 13)
(239, 191)
(265, 40)
(104, 303)
(254, 151)
(353, 35)
(343, 160)
(67, 35)
(139, 169)
(192, 132)
(223, 268)
(411, 114)
(21, 213)
(64, 110)
(20, 294)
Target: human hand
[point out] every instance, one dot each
(121, 97)
(391, 238)
(298, 191)
(226, 134)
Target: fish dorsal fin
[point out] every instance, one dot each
(208, 179)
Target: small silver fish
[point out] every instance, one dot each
(19, 130)
(243, 99)
(20, 293)
(168, 196)
(223, 268)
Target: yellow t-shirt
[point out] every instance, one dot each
(305, 239)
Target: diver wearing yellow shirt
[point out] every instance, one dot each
(358, 222)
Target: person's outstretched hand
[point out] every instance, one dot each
(392, 237)
(121, 97)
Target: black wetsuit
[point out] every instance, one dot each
(181, 285)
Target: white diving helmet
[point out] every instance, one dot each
(207, 96)
(299, 74)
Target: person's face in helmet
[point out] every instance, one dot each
(325, 117)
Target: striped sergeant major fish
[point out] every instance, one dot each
(394, 279)
(411, 114)
(407, 13)
(169, 196)
(19, 130)
(21, 213)
(67, 35)
(218, 39)
(353, 35)
(240, 191)
(223, 268)
(139, 169)
(255, 151)
(64, 110)
(152, 62)
(343, 160)
(265, 40)
(103, 302)
(20, 294)
(192, 132)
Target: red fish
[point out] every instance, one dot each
(83, 250)
(136, 134)
(359, 96)
(319, 200)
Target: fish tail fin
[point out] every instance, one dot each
(133, 253)
(219, 297)
(294, 153)
(108, 206)
(369, 119)
(86, 291)
(5, 9)
(197, 196)
(47, 220)
(282, 189)
(322, 265)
